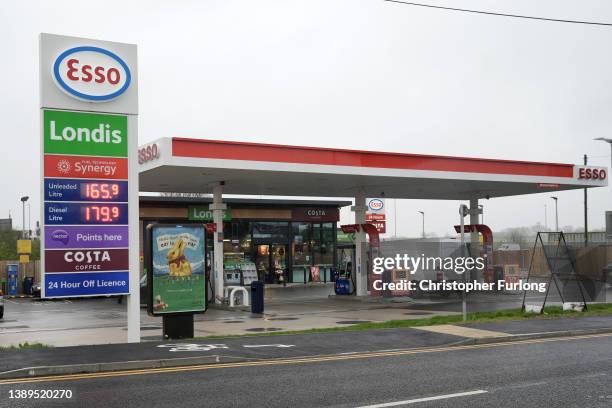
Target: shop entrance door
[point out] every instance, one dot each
(271, 261)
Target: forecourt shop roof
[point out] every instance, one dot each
(195, 165)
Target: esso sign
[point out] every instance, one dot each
(587, 173)
(148, 153)
(376, 205)
(91, 74)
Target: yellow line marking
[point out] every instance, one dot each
(293, 360)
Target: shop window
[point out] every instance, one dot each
(323, 248)
(237, 241)
(271, 230)
(301, 250)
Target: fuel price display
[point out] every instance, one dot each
(85, 190)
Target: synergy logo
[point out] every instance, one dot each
(63, 166)
(91, 74)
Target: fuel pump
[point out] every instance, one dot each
(373, 252)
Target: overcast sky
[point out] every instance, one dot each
(363, 74)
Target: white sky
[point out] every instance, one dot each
(361, 74)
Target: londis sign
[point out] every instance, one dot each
(91, 74)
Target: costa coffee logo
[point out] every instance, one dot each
(315, 213)
(87, 256)
(91, 74)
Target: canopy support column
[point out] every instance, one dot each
(361, 256)
(218, 208)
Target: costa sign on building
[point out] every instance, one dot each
(315, 214)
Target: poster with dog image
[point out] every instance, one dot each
(178, 269)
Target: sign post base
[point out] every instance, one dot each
(178, 326)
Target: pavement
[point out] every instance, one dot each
(62, 323)
(112, 357)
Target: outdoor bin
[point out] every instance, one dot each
(257, 297)
(27, 285)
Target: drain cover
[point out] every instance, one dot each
(263, 329)
(283, 318)
(353, 321)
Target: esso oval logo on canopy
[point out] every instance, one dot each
(376, 204)
(91, 74)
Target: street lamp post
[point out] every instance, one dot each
(463, 211)
(423, 229)
(23, 201)
(608, 141)
(556, 213)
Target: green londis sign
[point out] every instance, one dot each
(80, 133)
(203, 213)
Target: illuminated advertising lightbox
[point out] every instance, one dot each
(177, 282)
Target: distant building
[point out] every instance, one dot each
(577, 238)
(6, 224)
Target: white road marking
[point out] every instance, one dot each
(268, 345)
(414, 401)
(193, 347)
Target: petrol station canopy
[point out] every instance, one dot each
(195, 165)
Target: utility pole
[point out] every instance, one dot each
(586, 216)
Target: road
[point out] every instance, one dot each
(563, 372)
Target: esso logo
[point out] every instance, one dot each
(91, 74)
(376, 204)
(148, 153)
(586, 173)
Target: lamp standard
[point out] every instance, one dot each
(423, 229)
(23, 201)
(556, 213)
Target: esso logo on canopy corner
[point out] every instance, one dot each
(587, 173)
(91, 74)
(148, 153)
(376, 204)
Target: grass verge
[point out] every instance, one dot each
(476, 317)
(24, 346)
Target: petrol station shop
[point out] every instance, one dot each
(284, 241)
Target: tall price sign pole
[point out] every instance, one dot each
(89, 176)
